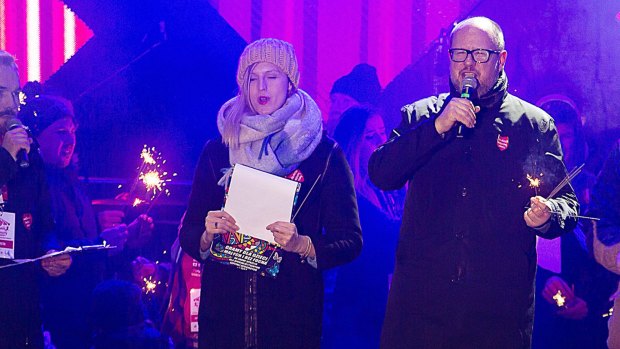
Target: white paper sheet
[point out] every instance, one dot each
(256, 199)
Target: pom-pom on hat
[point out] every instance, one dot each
(274, 51)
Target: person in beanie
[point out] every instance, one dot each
(51, 120)
(273, 126)
(360, 86)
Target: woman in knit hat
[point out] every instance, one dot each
(273, 126)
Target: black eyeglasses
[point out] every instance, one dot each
(479, 55)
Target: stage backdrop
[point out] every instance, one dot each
(157, 73)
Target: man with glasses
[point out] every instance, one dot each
(26, 223)
(466, 258)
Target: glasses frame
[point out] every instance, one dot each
(471, 53)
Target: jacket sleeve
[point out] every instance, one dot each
(205, 196)
(8, 166)
(409, 148)
(44, 224)
(564, 203)
(341, 241)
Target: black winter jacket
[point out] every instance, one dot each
(289, 307)
(466, 259)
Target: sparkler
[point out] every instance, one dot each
(569, 215)
(155, 183)
(147, 156)
(534, 183)
(560, 300)
(152, 177)
(137, 201)
(576, 216)
(150, 285)
(152, 180)
(148, 159)
(566, 180)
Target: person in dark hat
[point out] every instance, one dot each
(51, 120)
(360, 86)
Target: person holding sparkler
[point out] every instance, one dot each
(24, 214)
(606, 205)
(466, 258)
(572, 290)
(273, 126)
(52, 121)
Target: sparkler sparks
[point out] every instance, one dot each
(560, 300)
(152, 180)
(150, 285)
(151, 177)
(534, 183)
(137, 201)
(147, 156)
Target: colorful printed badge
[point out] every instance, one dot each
(246, 253)
(250, 253)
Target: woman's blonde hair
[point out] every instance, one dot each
(232, 116)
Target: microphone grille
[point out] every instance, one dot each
(469, 81)
(13, 123)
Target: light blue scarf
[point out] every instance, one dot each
(277, 143)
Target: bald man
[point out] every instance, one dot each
(466, 258)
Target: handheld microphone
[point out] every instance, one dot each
(22, 157)
(468, 87)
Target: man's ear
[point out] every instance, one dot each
(502, 59)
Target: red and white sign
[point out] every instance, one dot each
(194, 296)
(7, 235)
(296, 176)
